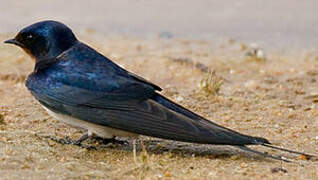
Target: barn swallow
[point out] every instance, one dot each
(80, 87)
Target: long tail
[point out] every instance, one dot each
(253, 140)
(228, 137)
(281, 158)
(244, 148)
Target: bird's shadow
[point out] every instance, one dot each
(161, 146)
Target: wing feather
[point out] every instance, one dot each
(88, 86)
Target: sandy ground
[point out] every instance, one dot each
(276, 99)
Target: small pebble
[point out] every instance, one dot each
(179, 98)
(2, 119)
(167, 174)
(303, 157)
(277, 169)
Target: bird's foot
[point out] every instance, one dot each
(78, 142)
(68, 140)
(113, 140)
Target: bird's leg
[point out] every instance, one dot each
(83, 138)
(78, 142)
(86, 136)
(111, 140)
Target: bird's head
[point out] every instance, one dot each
(44, 40)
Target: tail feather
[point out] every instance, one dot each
(244, 148)
(287, 150)
(229, 136)
(224, 135)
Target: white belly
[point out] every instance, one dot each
(98, 130)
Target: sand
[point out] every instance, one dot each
(276, 98)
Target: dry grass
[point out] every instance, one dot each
(211, 83)
(276, 99)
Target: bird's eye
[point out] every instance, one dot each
(30, 36)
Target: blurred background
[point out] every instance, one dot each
(284, 24)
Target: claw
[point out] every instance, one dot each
(111, 140)
(68, 140)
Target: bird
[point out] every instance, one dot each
(81, 87)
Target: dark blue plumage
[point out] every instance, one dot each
(74, 81)
(86, 85)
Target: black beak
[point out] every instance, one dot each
(13, 41)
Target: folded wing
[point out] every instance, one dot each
(119, 99)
